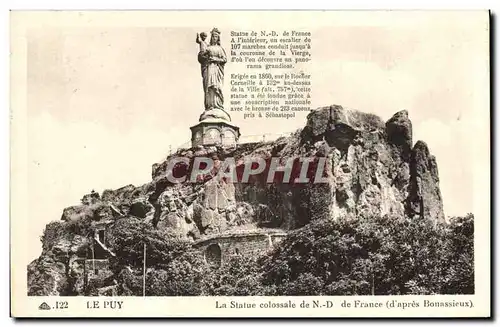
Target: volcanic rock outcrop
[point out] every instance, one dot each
(372, 169)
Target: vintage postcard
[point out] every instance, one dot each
(250, 164)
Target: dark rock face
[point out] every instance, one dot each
(59, 270)
(141, 208)
(371, 169)
(425, 196)
(399, 133)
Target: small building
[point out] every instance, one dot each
(216, 248)
(97, 262)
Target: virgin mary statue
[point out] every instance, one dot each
(212, 58)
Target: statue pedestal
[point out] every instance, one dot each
(214, 131)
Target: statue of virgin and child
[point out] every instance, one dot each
(212, 59)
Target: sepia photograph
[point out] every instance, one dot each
(340, 156)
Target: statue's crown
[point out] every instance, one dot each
(215, 31)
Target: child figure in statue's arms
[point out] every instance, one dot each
(200, 39)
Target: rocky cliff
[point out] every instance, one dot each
(372, 169)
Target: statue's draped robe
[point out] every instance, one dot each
(212, 62)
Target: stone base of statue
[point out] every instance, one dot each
(215, 114)
(214, 128)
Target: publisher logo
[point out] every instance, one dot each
(44, 306)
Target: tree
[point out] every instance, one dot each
(239, 275)
(173, 266)
(458, 253)
(374, 256)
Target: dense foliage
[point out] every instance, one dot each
(377, 256)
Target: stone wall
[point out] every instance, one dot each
(217, 248)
